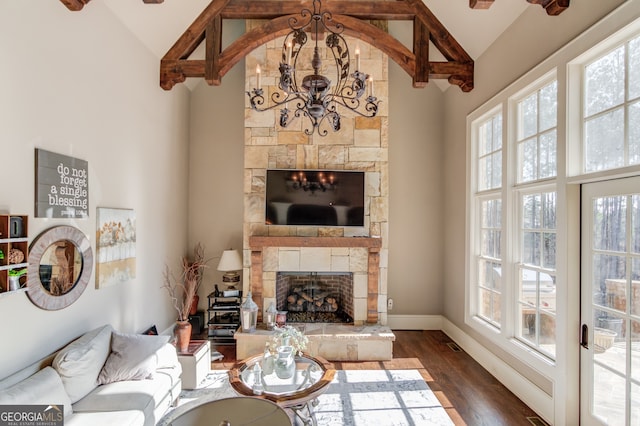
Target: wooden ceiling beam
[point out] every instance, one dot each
(175, 66)
(194, 35)
(239, 9)
(367, 10)
(480, 4)
(176, 70)
(77, 5)
(439, 35)
(553, 7)
(213, 40)
(421, 52)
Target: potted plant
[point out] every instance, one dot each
(288, 336)
(182, 292)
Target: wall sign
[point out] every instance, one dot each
(62, 186)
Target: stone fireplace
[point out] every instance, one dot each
(358, 257)
(360, 145)
(315, 296)
(362, 251)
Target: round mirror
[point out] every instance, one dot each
(60, 263)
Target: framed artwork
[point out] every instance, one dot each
(115, 246)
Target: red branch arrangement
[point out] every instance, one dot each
(182, 290)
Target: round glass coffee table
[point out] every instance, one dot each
(298, 393)
(227, 411)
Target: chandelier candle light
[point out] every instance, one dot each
(315, 97)
(312, 181)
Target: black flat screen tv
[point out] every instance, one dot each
(314, 197)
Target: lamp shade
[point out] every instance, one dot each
(230, 261)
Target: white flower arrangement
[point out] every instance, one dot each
(288, 335)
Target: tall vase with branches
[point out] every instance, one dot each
(182, 291)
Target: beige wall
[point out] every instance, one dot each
(80, 84)
(216, 171)
(416, 149)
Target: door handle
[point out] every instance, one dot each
(584, 337)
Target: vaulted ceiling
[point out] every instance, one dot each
(451, 62)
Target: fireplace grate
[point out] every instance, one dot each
(328, 317)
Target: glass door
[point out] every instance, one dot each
(610, 303)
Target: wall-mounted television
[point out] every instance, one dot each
(314, 197)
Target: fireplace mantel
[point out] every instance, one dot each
(258, 243)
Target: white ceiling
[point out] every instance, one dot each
(158, 26)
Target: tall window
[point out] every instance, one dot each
(489, 253)
(536, 146)
(612, 109)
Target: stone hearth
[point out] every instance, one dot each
(329, 341)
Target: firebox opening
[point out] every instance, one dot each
(311, 297)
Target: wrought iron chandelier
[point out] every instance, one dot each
(314, 97)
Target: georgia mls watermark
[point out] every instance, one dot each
(31, 415)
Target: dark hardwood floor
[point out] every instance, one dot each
(467, 391)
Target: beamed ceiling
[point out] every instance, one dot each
(358, 17)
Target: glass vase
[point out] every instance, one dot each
(284, 365)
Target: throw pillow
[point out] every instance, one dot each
(43, 388)
(168, 357)
(80, 362)
(133, 357)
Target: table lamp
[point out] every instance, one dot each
(230, 264)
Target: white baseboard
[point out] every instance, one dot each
(414, 322)
(537, 399)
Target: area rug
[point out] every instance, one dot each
(354, 398)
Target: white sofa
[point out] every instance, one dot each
(102, 378)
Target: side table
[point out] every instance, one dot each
(196, 363)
